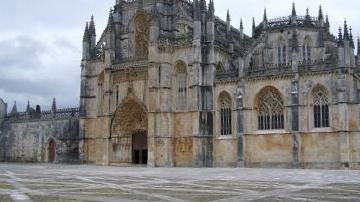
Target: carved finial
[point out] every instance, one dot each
(241, 29)
(110, 19)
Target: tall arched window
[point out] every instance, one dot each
(225, 114)
(307, 49)
(281, 50)
(270, 108)
(181, 85)
(321, 107)
(141, 31)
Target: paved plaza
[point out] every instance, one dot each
(47, 182)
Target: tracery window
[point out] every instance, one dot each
(141, 30)
(225, 114)
(181, 81)
(270, 109)
(321, 107)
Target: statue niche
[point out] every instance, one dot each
(141, 35)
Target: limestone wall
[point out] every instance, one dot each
(28, 141)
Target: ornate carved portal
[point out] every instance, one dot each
(129, 132)
(141, 31)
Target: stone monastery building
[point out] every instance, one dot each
(169, 84)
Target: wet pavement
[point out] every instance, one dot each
(70, 183)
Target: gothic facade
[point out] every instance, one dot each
(170, 84)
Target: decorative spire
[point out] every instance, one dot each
(253, 27)
(28, 106)
(86, 32)
(14, 109)
(293, 13)
(53, 106)
(352, 44)
(203, 5)
(110, 19)
(327, 23)
(241, 29)
(346, 31)
(321, 16)
(92, 29)
(228, 18)
(358, 46)
(211, 11)
(196, 10)
(340, 38)
(265, 19)
(307, 17)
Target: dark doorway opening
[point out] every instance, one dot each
(52, 151)
(140, 147)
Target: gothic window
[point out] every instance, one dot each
(181, 82)
(284, 54)
(307, 49)
(141, 31)
(321, 107)
(270, 108)
(225, 114)
(281, 52)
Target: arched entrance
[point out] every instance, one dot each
(51, 151)
(139, 147)
(129, 133)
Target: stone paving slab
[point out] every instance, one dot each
(74, 183)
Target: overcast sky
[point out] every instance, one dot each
(40, 43)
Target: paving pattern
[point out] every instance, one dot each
(72, 183)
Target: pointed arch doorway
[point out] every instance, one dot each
(129, 133)
(51, 151)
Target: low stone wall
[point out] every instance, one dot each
(28, 141)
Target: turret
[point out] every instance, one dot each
(28, 107)
(196, 10)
